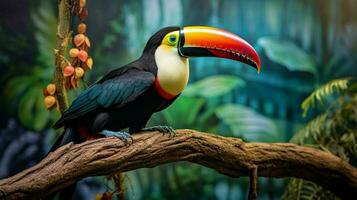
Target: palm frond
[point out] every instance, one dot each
(300, 189)
(312, 129)
(324, 91)
(333, 131)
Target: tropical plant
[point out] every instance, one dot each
(323, 91)
(23, 91)
(300, 189)
(287, 54)
(246, 123)
(334, 131)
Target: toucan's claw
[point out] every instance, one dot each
(122, 135)
(162, 129)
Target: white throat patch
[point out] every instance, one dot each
(173, 70)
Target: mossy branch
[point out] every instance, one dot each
(62, 39)
(229, 156)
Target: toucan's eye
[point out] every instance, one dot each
(172, 39)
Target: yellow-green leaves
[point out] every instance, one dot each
(322, 92)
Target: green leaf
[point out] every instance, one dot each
(323, 92)
(16, 87)
(26, 107)
(245, 122)
(214, 86)
(41, 115)
(183, 112)
(31, 111)
(287, 54)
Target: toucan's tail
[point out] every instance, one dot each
(66, 137)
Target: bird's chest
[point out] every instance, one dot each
(172, 74)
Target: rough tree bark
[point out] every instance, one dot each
(62, 39)
(229, 156)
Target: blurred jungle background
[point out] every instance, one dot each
(305, 93)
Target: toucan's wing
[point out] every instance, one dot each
(114, 91)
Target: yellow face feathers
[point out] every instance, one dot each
(171, 39)
(172, 69)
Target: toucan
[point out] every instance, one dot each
(127, 97)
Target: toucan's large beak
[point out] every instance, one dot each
(199, 41)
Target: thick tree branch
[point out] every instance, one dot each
(229, 156)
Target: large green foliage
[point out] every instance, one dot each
(288, 55)
(246, 123)
(23, 92)
(333, 131)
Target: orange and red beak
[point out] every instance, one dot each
(202, 41)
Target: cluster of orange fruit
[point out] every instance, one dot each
(79, 61)
(49, 93)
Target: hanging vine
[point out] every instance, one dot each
(68, 72)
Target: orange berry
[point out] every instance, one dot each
(49, 101)
(79, 39)
(89, 63)
(68, 71)
(51, 89)
(73, 52)
(81, 28)
(82, 3)
(78, 72)
(82, 55)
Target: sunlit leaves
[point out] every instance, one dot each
(322, 92)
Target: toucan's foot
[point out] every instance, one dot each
(162, 129)
(122, 135)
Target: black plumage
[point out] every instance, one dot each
(123, 98)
